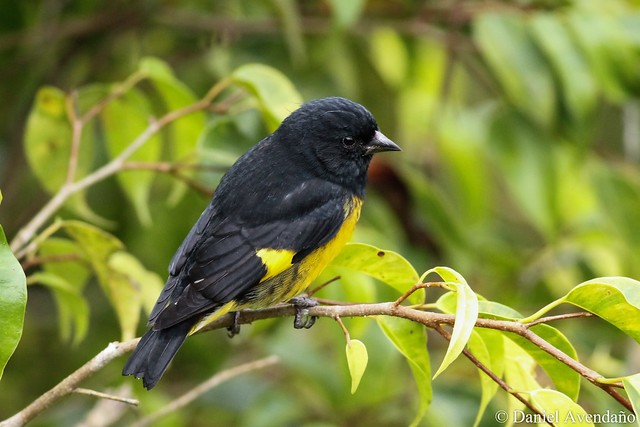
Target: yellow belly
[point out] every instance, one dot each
(285, 280)
(292, 279)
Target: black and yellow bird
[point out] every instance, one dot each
(281, 213)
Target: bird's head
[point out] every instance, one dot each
(336, 138)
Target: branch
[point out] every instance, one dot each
(429, 319)
(502, 383)
(69, 384)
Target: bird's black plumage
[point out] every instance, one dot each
(280, 213)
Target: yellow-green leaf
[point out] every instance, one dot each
(98, 247)
(145, 283)
(614, 299)
(386, 266)
(488, 347)
(466, 314)
(277, 97)
(47, 140)
(357, 359)
(410, 338)
(13, 301)
(632, 387)
(519, 372)
(73, 310)
(560, 409)
(67, 280)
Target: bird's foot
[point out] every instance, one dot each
(234, 328)
(302, 318)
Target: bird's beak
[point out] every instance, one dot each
(380, 143)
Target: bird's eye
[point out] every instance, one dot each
(348, 141)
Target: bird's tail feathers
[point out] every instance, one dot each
(155, 351)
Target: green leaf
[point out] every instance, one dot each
(410, 339)
(182, 134)
(580, 91)
(13, 301)
(389, 55)
(632, 387)
(276, 95)
(561, 410)
(0, 196)
(488, 347)
(466, 314)
(520, 68)
(346, 13)
(73, 310)
(357, 359)
(98, 247)
(48, 138)
(386, 266)
(124, 119)
(614, 299)
(519, 372)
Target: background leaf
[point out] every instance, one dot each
(276, 95)
(132, 109)
(518, 65)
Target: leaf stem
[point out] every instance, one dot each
(542, 311)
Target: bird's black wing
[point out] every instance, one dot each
(218, 260)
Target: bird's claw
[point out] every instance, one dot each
(234, 328)
(302, 318)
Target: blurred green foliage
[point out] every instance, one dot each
(520, 126)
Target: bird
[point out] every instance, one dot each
(279, 215)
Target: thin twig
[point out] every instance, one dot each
(33, 262)
(559, 317)
(89, 392)
(76, 136)
(173, 170)
(317, 289)
(344, 328)
(204, 387)
(414, 288)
